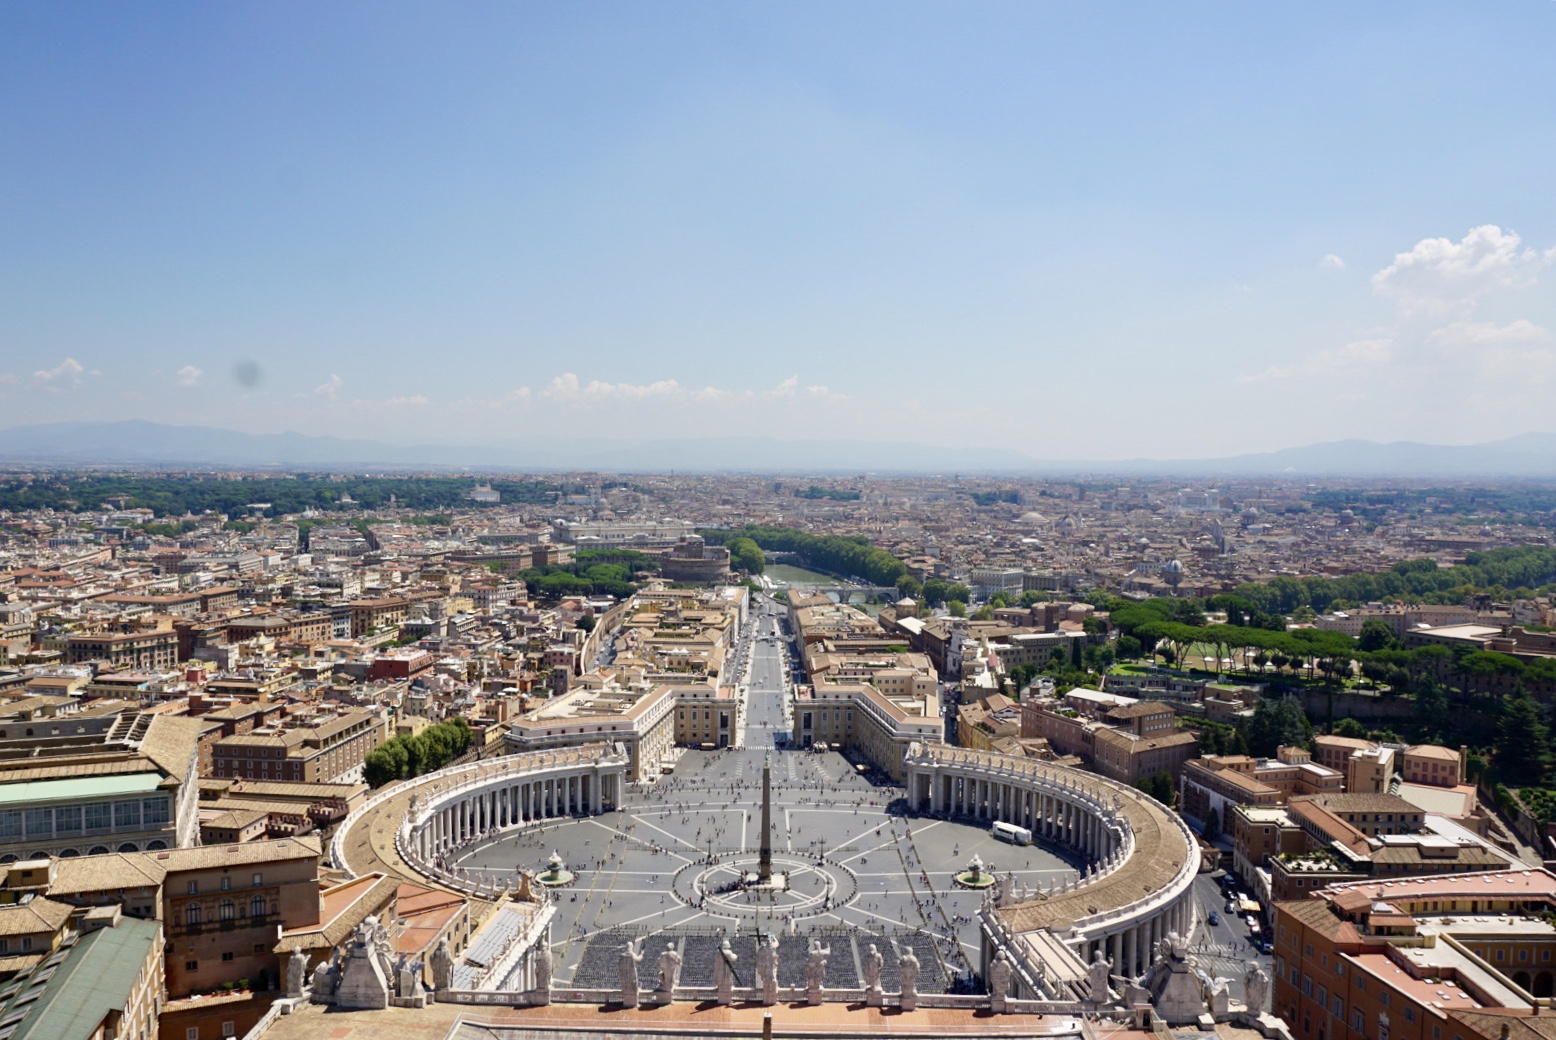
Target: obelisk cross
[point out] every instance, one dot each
(764, 863)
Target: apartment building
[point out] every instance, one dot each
(145, 651)
(308, 751)
(1217, 782)
(1417, 959)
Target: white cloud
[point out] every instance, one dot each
(1331, 260)
(569, 389)
(1352, 359)
(1470, 334)
(409, 401)
(1439, 274)
(189, 375)
(331, 389)
(1486, 350)
(519, 396)
(66, 373)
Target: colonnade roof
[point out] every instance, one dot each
(368, 845)
(1161, 847)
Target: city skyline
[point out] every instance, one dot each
(540, 222)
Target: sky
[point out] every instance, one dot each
(1085, 231)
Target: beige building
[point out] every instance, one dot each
(318, 752)
(862, 719)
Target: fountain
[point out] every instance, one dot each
(556, 873)
(976, 875)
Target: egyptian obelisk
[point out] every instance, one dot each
(764, 863)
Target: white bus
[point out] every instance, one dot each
(1011, 833)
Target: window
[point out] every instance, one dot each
(259, 879)
(226, 882)
(67, 819)
(1501, 955)
(257, 906)
(155, 811)
(1356, 1019)
(1383, 998)
(192, 1033)
(1410, 1013)
(40, 823)
(226, 910)
(194, 887)
(1307, 985)
(26, 943)
(11, 823)
(1361, 983)
(227, 956)
(1337, 1007)
(227, 1029)
(1323, 997)
(126, 816)
(192, 915)
(191, 965)
(1523, 955)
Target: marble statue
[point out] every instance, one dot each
(816, 965)
(669, 969)
(767, 969)
(627, 974)
(1255, 985)
(999, 980)
(907, 975)
(1097, 979)
(296, 973)
(724, 971)
(541, 958)
(1220, 996)
(872, 962)
(442, 966)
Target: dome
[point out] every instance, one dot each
(1173, 567)
(1068, 523)
(906, 601)
(1033, 518)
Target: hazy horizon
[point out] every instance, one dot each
(1089, 233)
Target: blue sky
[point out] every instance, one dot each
(1082, 230)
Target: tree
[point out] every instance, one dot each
(1433, 718)
(1277, 722)
(984, 613)
(1212, 829)
(957, 608)
(586, 623)
(1349, 727)
(745, 555)
(1522, 754)
(1375, 635)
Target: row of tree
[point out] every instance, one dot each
(852, 555)
(177, 496)
(405, 757)
(1526, 569)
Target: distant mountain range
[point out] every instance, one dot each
(146, 444)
